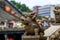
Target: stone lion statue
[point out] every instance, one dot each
(30, 24)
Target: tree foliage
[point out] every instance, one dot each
(20, 6)
(39, 17)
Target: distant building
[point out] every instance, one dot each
(47, 11)
(36, 9)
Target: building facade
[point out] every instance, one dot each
(47, 11)
(36, 9)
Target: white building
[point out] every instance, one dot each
(47, 11)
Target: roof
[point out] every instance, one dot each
(51, 30)
(19, 11)
(6, 16)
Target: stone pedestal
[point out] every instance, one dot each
(36, 37)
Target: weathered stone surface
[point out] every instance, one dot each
(30, 37)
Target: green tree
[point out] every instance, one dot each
(39, 17)
(20, 6)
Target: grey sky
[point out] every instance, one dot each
(31, 3)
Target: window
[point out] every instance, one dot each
(44, 10)
(42, 14)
